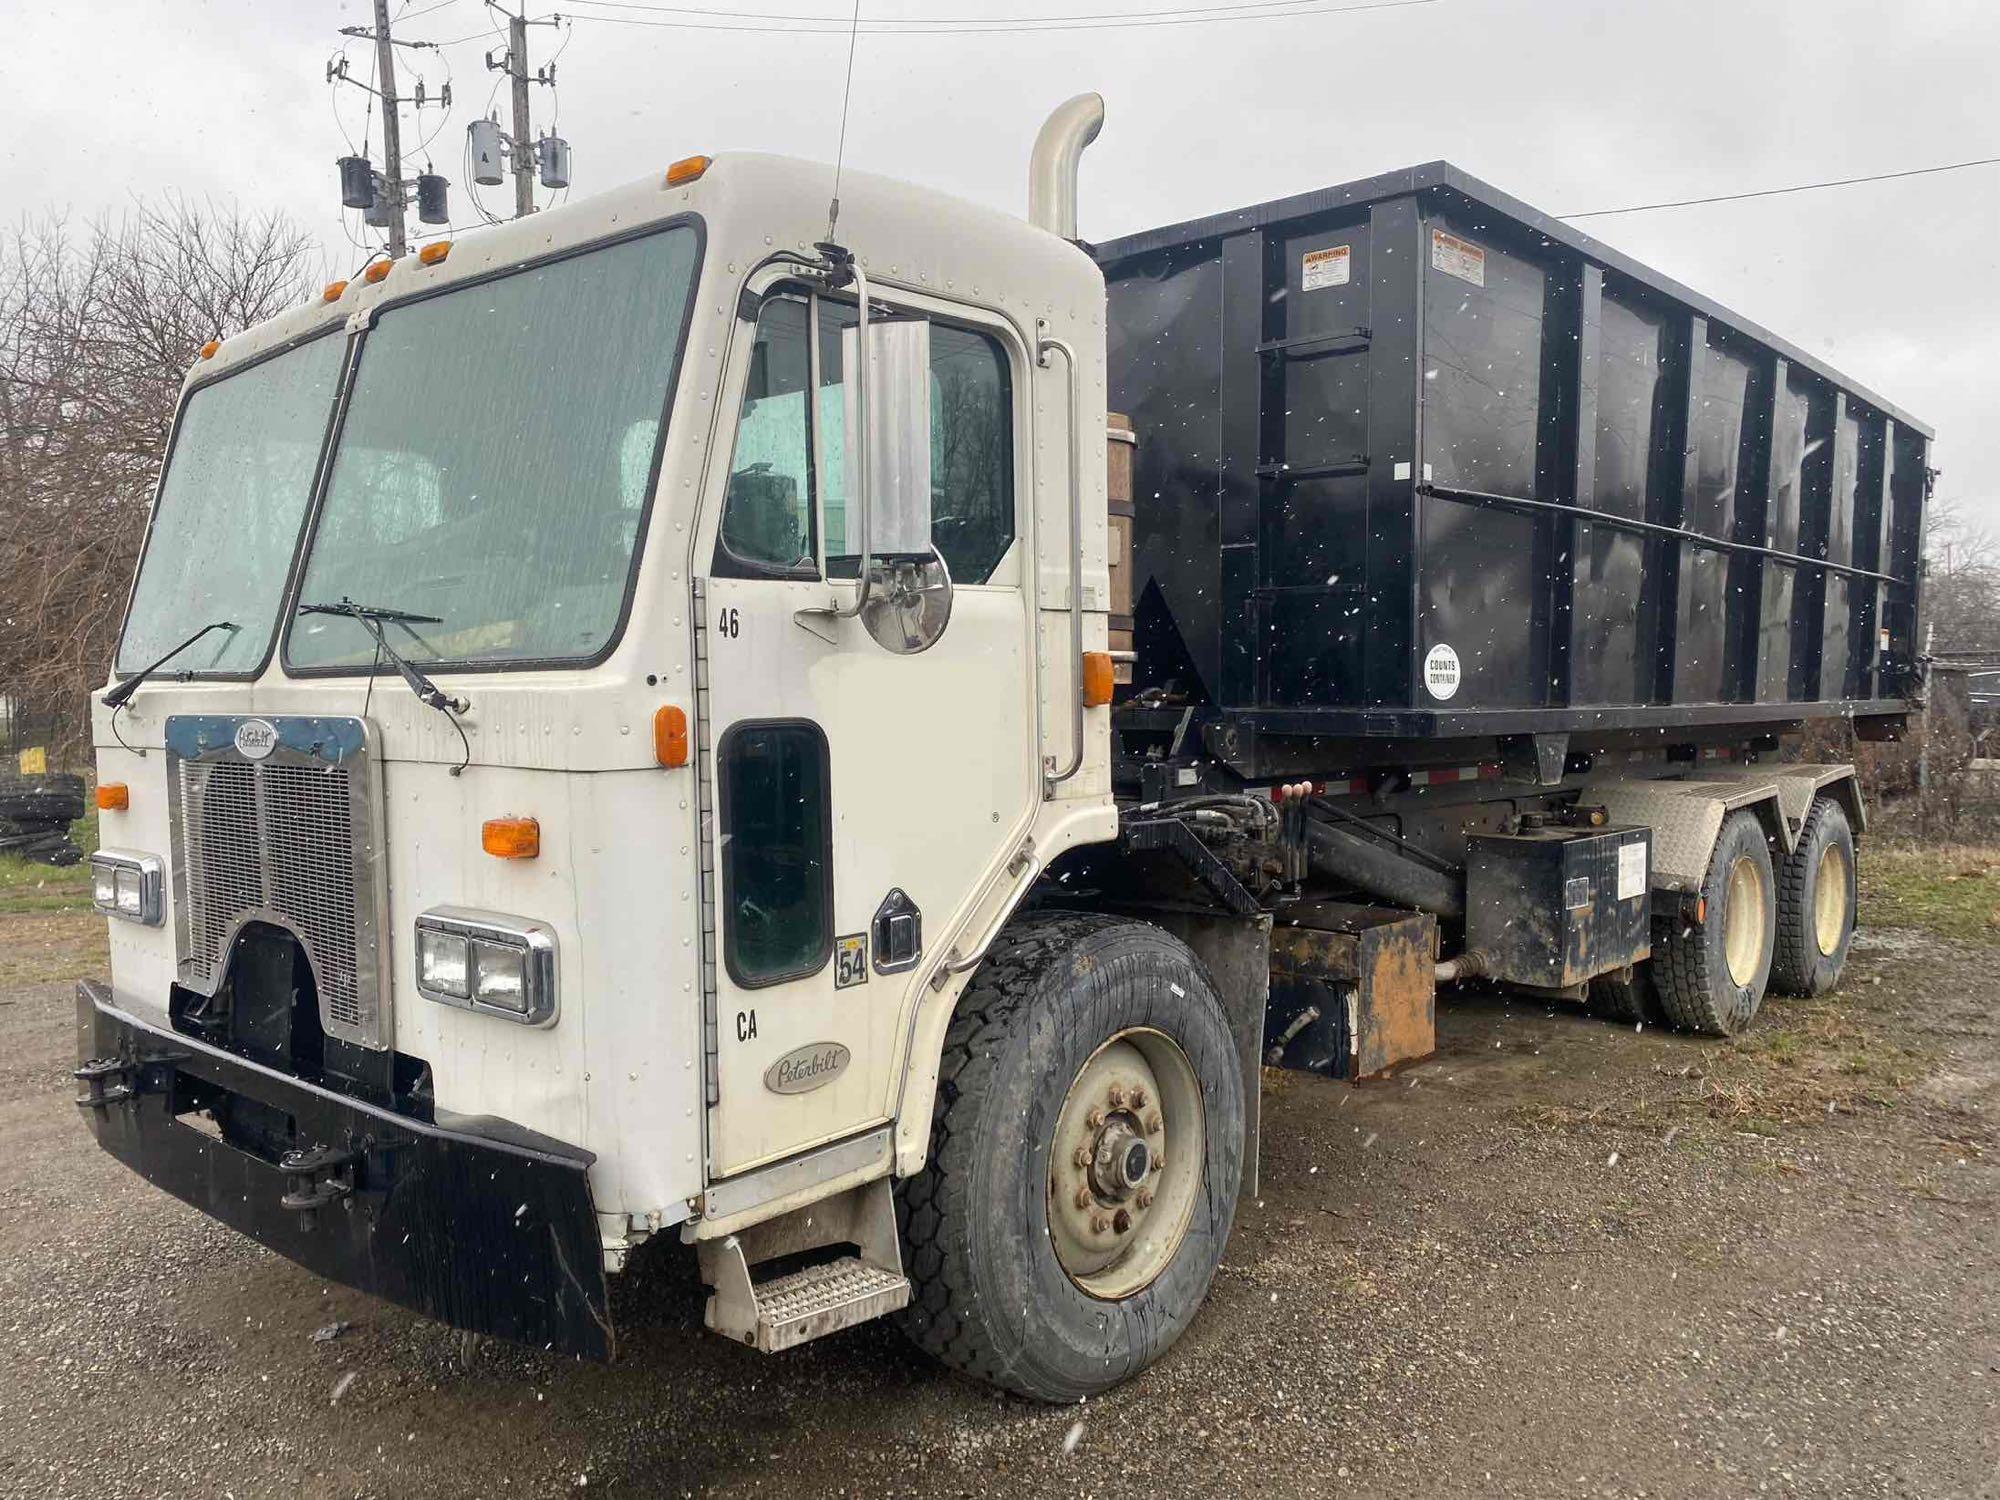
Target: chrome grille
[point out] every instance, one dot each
(289, 838)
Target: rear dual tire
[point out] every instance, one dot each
(1816, 904)
(1711, 975)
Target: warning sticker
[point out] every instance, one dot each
(1631, 869)
(1441, 672)
(1457, 257)
(1322, 268)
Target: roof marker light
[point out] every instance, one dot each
(434, 252)
(687, 169)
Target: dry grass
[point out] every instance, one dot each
(1949, 889)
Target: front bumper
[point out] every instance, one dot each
(477, 1223)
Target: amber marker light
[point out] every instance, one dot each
(333, 291)
(511, 838)
(113, 796)
(376, 272)
(1097, 678)
(670, 735)
(434, 252)
(687, 169)
(208, 349)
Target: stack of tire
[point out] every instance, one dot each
(35, 814)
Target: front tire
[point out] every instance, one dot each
(1062, 1236)
(1816, 904)
(1712, 977)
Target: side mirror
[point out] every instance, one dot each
(888, 435)
(906, 594)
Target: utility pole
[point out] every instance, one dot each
(526, 154)
(517, 72)
(384, 196)
(392, 135)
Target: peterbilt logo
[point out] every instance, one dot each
(806, 1068)
(255, 739)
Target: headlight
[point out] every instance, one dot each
(484, 961)
(444, 962)
(127, 886)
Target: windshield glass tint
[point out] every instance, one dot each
(236, 489)
(493, 466)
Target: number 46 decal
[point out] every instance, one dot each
(728, 623)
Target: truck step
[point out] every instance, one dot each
(795, 1307)
(805, 1305)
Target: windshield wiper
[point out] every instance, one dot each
(371, 617)
(132, 684)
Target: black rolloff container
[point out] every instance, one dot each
(1416, 460)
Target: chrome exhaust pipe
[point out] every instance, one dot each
(1052, 168)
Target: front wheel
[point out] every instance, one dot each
(1084, 1162)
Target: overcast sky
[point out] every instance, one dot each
(1567, 104)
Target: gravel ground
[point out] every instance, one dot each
(1561, 1258)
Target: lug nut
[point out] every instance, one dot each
(1145, 1197)
(1160, 1162)
(1094, 1119)
(1153, 1125)
(1083, 1197)
(1098, 1224)
(1122, 1221)
(1081, 1156)
(1117, 1096)
(1138, 1098)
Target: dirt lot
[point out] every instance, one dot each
(1560, 1259)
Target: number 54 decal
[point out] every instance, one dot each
(850, 960)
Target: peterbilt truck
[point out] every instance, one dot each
(840, 737)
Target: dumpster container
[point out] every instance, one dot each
(1417, 460)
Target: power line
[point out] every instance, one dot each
(1802, 187)
(1217, 8)
(930, 28)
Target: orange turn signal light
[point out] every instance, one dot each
(333, 291)
(687, 169)
(1097, 678)
(434, 252)
(670, 735)
(208, 349)
(511, 838)
(376, 272)
(113, 796)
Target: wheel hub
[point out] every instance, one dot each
(1121, 1161)
(1744, 920)
(1125, 1164)
(1830, 899)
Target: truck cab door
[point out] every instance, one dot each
(857, 800)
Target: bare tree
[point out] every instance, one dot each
(1961, 583)
(99, 322)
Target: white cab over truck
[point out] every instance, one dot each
(625, 730)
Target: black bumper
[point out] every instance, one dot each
(481, 1225)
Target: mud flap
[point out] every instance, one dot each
(479, 1224)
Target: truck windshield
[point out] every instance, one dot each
(234, 496)
(495, 459)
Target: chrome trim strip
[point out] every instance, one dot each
(724, 1200)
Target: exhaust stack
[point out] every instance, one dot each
(1059, 146)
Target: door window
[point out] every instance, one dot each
(777, 852)
(769, 512)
